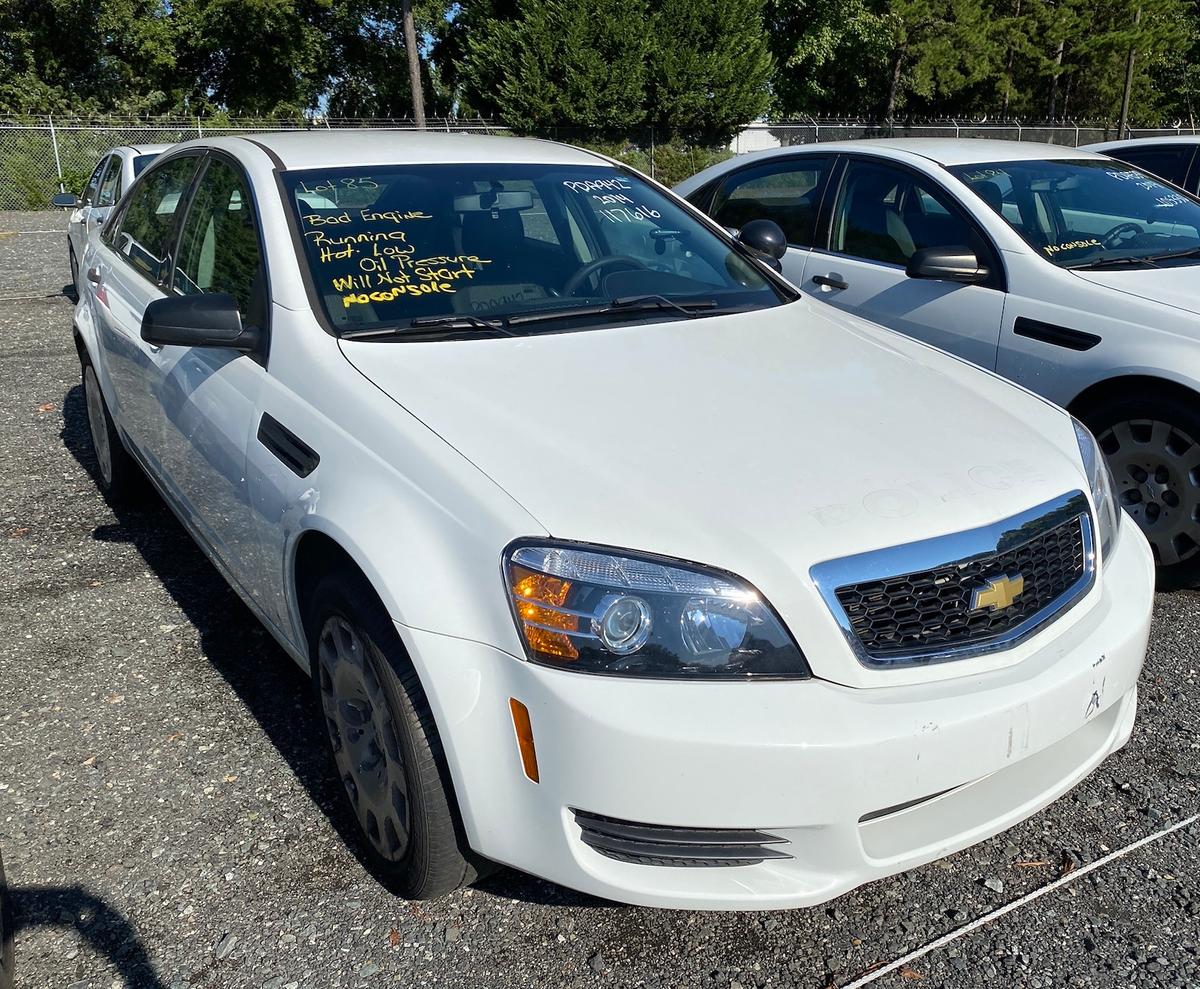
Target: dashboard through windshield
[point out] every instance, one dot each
(410, 246)
(1094, 214)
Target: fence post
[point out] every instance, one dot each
(652, 151)
(57, 160)
(199, 129)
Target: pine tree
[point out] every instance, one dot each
(709, 67)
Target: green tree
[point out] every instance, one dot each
(561, 64)
(709, 67)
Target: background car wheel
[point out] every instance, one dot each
(120, 478)
(1153, 447)
(384, 744)
(74, 270)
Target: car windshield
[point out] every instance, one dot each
(457, 244)
(1095, 214)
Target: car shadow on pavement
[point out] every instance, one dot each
(272, 687)
(106, 930)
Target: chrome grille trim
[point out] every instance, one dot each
(960, 549)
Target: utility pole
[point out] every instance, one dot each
(414, 63)
(1124, 120)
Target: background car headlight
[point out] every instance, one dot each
(601, 612)
(1104, 489)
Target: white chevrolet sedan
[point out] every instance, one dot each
(612, 558)
(1070, 273)
(113, 174)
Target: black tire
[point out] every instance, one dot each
(383, 743)
(1152, 443)
(74, 270)
(118, 475)
(6, 934)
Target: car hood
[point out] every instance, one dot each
(761, 443)
(1178, 287)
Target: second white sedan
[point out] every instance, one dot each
(1068, 272)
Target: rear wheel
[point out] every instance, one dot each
(74, 270)
(383, 742)
(1153, 447)
(119, 476)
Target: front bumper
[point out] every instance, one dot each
(950, 761)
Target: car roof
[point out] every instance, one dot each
(349, 147)
(949, 150)
(143, 149)
(1139, 142)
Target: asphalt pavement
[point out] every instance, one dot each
(166, 818)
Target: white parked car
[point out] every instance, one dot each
(612, 559)
(1172, 158)
(1073, 275)
(113, 174)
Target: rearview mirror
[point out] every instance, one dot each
(210, 320)
(766, 239)
(66, 200)
(952, 264)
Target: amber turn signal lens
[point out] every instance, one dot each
(533, 590)
(524, 730)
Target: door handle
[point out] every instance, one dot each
(832, 281)
(93, 275)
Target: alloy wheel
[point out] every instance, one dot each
(1156, 467)
(98, 424)
(363, 734)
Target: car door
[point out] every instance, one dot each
(78, 230)
(882, 214)
(210, 395)
(1173, 162)
(109, 191)
(787, 190)
(130, 266)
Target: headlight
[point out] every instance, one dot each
(599, 612)
(1104, 490)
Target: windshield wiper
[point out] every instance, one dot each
(418, 327)
(628, 304)
(1105, 262)
(1192, 252)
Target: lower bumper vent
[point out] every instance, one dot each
(655, 844)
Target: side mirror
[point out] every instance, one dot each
(766, 239)
(952, 264)
(65, 200)
(210, 320)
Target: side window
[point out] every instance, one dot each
(142, 234)
(219, 248)
(886, 214)
(1170, 162)
(110, 185)
(784, 191)
(89, 194)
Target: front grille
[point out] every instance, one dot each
(930, 610)
(656, 844)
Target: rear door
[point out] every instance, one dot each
(787, 190)
(130, 269)
(882, 213)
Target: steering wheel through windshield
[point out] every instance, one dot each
(574, 283)
(1113, 238)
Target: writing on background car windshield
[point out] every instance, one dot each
(1071, 245)
(611, 200)
(366, 255)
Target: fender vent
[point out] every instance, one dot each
(655, 844)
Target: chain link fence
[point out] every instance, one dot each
(40, 156)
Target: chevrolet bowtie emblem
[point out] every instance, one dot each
(998, 593)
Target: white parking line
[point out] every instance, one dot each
(987, 918)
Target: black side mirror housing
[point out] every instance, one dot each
(65, 200)
(209, 320)
(951, 264)
(766, 239)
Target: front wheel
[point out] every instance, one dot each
(1153, 447)
(384, 743)
(121, 480)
